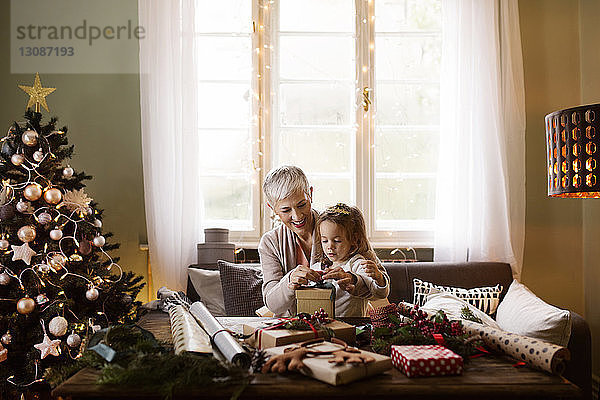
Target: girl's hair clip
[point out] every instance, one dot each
(339, 208)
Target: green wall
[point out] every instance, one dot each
(103, 115)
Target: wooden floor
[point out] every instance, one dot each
(483, 378)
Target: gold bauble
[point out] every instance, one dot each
(58, 261)
(26, 233)
(26, 305)
(32, 192)
(52, 196)
(30, 138)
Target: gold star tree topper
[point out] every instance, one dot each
(37, 94)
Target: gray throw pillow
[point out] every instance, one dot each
(242, 288)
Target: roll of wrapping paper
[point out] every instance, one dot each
(534, 352)
(227, 344)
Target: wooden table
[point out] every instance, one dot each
(483, 378)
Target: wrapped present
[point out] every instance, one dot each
(322, 368)
(427, 360)
(267, 334)
(310, 299)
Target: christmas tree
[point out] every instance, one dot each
(58, 283)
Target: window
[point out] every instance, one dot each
(347, 90)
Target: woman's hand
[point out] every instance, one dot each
(372, 270)
(302, 274)
(345, 280)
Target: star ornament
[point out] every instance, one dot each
(23, 252)
(37, 94)
(48, 346)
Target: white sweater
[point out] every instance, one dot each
(348, 305)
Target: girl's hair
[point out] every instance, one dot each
(352, 221)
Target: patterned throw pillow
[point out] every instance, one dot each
(242, 288)
(484, 298)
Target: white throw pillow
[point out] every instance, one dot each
(452, 306)
(208, 286)
(522, 312)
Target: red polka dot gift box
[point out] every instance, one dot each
(427, 360)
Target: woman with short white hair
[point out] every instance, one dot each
(287, 251)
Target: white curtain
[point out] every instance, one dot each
(169, 138)
(480, 205)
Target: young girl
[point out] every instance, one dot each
(348, 259)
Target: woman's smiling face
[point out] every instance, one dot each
(295, 213)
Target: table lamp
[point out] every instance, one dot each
(572, 151)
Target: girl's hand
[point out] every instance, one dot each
(373, 271)
(345, 280)
(301, 275)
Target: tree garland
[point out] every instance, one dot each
(417, 328)
(141, 360)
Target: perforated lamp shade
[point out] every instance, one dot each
(572, 152)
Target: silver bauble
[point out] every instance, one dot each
(41, 299)
(99, 241)
(52, 196)
(56, 234)
(26, 233)
(6, 339)
(73, 340)
(97, 223)
(17, 159)
(38, 156)
(43, 268)
(32, 192)
(22, 206)
(30, 138)
(4, 279)
(26, 305)
(68, 172)
(4, 244)
(58, 326)
(58, 261)
(44, 218)
(92, 294)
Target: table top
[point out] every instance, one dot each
(483, 378)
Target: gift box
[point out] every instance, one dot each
(319, 367)
(263, 337)
(427, 360)
(311, 299)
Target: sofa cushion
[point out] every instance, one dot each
(524, 313)
(484, 298)
(207, 284)
(242, 288)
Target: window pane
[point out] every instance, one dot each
(316, 104)
(316, 150)
(224, 151)
(224, 16)
(227, 199)
(224, 57)
(316, 15)
(225, 105)
(408, 57)
(316, 57)
(408, 15)
(328, 192)
(398, 151)
(405, 199)
(408, 104)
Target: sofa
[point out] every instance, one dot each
(465, 275)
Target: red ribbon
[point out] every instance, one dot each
(280, 324)
(519, 364)
(482, 352)
(439, 339)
